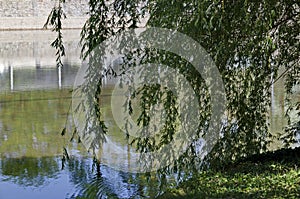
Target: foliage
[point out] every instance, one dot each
(55, 20)
(248, 40)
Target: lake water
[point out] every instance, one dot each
(35, 98)
(31, 147)
(34, 107)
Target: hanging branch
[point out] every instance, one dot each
(55, 21)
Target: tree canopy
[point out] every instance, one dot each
(249, 41)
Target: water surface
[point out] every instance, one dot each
(35, 98)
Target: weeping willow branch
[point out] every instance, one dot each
(55, 21)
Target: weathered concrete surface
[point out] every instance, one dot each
(40, 8)
(32, 14)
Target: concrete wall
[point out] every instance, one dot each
(32, 14)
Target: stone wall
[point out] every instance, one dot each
(40, 8)
(32, 14)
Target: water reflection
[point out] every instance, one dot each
(21, 79)
(26, 171)
(30, 122)
(80, 179)
(28, 62)
(31, 145)
(101, 182)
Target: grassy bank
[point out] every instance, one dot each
(270, 175)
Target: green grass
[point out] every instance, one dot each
(271, 175)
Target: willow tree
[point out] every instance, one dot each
(248, 41)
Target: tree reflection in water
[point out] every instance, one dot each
(30, 149)
(27, 171)
(87, 178)
(93, 180)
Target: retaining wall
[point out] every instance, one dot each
(32, 14)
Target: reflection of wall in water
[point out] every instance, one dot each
(39, 78)
(27, 61)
